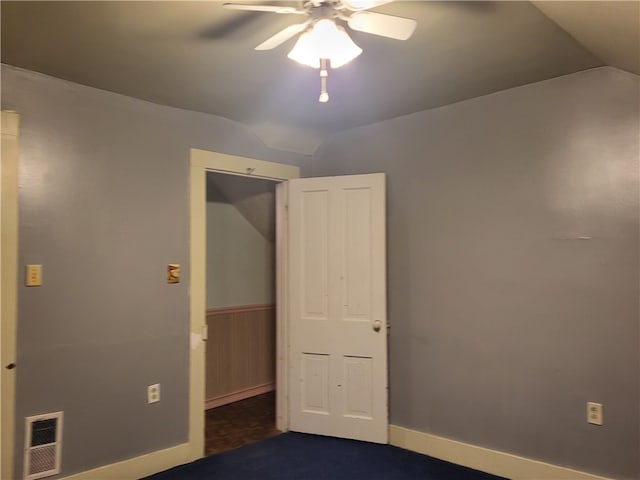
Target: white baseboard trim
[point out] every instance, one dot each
(239, 395)
(138, 467)
(483, 459)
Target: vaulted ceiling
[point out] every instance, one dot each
(199, 56)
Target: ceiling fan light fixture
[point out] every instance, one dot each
(326, 40)
(304, 52)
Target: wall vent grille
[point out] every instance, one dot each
(43, 445)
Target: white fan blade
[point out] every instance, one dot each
(364, 4)
(261, 8)
(383, 25)
(282, 36)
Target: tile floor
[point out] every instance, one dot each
(236, 424)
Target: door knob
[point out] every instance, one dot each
(377, 325)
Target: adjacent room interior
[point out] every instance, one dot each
(241, 353)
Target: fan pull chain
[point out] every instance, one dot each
(324, 96)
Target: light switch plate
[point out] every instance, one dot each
(33, 276)
(173, 273)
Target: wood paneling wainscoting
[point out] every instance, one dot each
(241, 354)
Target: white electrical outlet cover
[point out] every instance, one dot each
(153, 393)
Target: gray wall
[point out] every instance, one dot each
(104, 207)
(240, 259)
(513, 267)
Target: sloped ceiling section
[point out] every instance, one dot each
(254, 198)
(610, 30)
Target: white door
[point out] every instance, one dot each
(337, 307)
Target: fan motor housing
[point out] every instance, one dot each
(321, 10)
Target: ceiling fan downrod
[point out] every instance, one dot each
(324, 73)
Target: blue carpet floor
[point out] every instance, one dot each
(298, 456)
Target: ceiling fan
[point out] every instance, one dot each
(322, 38)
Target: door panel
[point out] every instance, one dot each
(358, 385)
(337, 295)
(315, 384)
(356, 248)
(315, 254)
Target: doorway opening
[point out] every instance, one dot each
(202, 162)
(241, 316)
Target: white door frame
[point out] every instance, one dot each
(201, 162)
(9, 291)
